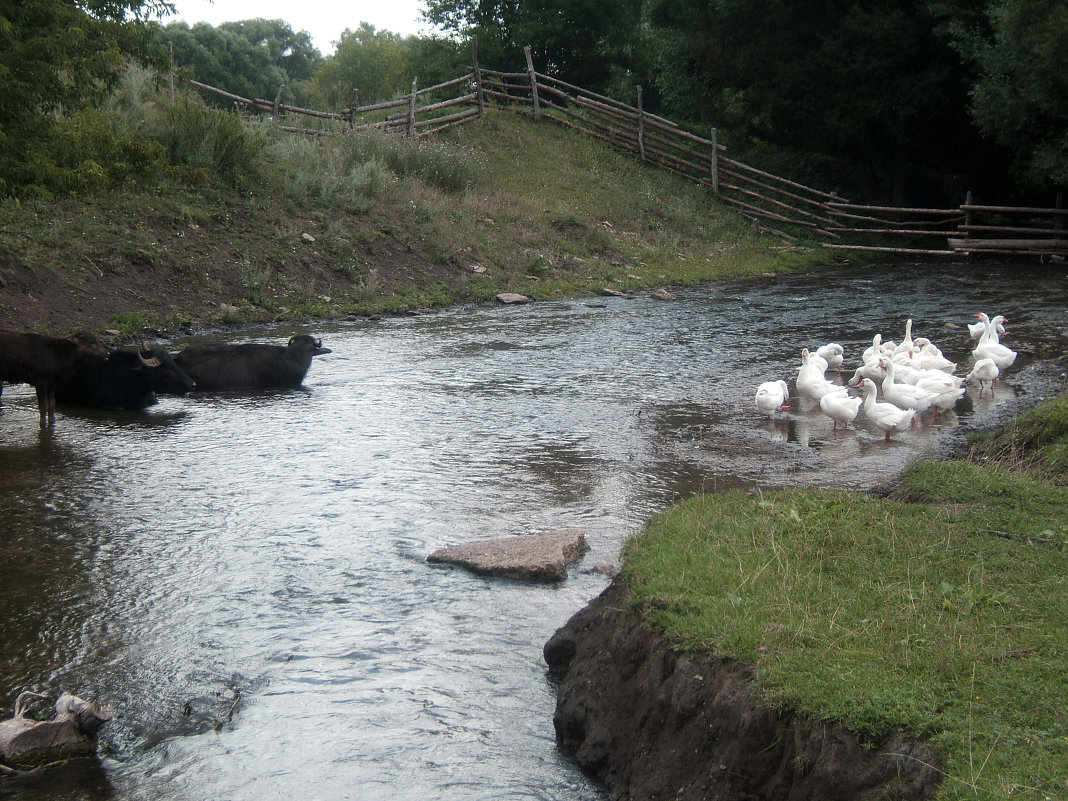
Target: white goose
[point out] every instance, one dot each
(810, 379)
(990, 348)
(887, 417)
(977, 329)
(833, 354)
(841, 408)
(985, 372)
(907, 344)
(870, 370)
(873, 352)
(904, 396)
(929, 357)
(771, 397)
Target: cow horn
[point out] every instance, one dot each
(153, 362)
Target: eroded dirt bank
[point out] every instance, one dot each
(650, 723)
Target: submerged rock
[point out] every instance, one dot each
(69, 730)
(538, 557)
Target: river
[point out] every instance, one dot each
(244, 575)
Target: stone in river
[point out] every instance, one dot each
(537, 557)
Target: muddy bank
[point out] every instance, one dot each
(650, 723)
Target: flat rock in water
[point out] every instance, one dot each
(538, 557)
(512, 298)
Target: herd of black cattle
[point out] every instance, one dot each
(81, 371)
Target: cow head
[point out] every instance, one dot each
(163, 374)
(305, 343)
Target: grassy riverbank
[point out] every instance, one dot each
(942, 609)
(296, 228)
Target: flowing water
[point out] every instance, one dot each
(243, 575)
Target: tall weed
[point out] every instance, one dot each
(216, 142)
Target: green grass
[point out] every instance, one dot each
(537, 209)
(943, 609)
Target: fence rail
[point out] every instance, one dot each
(778, 205)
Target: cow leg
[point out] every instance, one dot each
(46, 404)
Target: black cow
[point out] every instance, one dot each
(251, 365)
(126, 380)
(27, 358)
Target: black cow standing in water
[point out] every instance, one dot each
(125, 380)
(27, 358)
(250, 365)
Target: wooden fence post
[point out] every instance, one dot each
(352, 107)
(641, 126)
(411, 109)
(481, 98)
(715, 162)
(533, 83)
(278, 102)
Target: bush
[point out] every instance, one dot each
(218, 142)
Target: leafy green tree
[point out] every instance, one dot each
(57, 57)
(435, 59)
(592, 43)
(1020, 95)
(250, 58)
(377, 63)
(866, 97)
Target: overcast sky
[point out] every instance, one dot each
(323, 19)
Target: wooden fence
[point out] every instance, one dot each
(780, 206)
(420, 113)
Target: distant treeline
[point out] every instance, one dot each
(902, 101)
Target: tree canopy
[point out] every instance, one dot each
(251, 58)
(900, 100)
(1019, 97)
(58, 56)
(892, 100)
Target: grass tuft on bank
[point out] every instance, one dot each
(942, 609)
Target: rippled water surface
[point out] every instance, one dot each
(243, 575)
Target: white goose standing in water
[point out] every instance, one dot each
(990, 348)
(887, 418)
(833, 354)
(841, 408)
(985, 372)
(771, 397)
(979, 328)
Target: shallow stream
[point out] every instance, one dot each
(243, 575)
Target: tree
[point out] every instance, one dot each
(1020, 95)
(867, 97)
(250, 58)
(592, 43)
(377, 63)
(56, 57)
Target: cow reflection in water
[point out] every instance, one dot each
(250, 365)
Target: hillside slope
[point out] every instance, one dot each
(547, 213)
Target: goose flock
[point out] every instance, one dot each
(897, 381)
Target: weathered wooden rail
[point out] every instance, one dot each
(422, 111)
(780, 206)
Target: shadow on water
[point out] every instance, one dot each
(243, 574)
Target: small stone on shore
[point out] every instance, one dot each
(511, 298)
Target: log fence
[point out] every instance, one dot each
(780, 206)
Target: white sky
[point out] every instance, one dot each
(323, 19)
